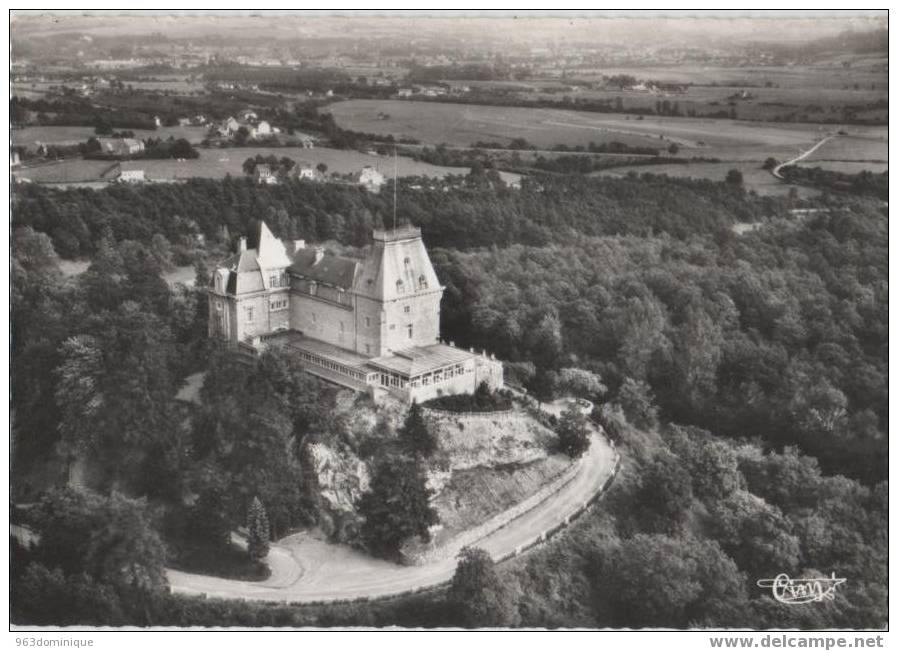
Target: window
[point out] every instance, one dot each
(341, 326)
(279, 304)
(367, 322)
(425, 380)
(273, 281)
(218, 305)
(314, 318)
(400, 287)
(313, 288)
(249, 314)
(409, 331)
(407, 260)
(408, 309)
(422, 282)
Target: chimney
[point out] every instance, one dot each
(241, 246)
(298, 244)
(319, 254)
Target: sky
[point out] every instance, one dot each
(688, 28)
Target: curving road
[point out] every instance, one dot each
(776, 170)
(305, 568)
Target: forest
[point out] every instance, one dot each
(746, 376)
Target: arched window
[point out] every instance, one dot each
(422, 282)
(400, 286)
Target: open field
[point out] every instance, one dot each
(51, 135)
(853, 148)
(846, 167)
(74, 170)
(217, 163)
(818, 93)
(463, 124)
(825, 75)
(754, 178)
(181, 86)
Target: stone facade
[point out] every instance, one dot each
(372, 322)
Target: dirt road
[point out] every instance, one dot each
(776, 170)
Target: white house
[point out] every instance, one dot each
(132, 176)
(264, 176)
(307, 171)
(229, 127)
(262, 130)
(121, 146)
(369, 178)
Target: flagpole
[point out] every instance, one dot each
(395, 184)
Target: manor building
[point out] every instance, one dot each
(370, 324)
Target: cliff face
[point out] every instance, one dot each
(340, 465)
(490, 439)
(341, 478)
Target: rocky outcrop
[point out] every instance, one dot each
(341, 478)
(490, 439)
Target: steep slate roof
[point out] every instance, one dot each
(330, 269)
(248, 269)
(395, 266)
(394, 256)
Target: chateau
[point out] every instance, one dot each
(370, 324)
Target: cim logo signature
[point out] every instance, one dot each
(802, 591)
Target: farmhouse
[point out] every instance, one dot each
(132, 176)
(306, 171)
(263, 175)
(261, 130)
(369, 324)
(121, 146)
(229, 127)
(369, 178)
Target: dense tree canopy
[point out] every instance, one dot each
(769, 349)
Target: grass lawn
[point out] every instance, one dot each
(216, 163)
(52, 135)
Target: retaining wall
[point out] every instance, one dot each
(423, 554)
